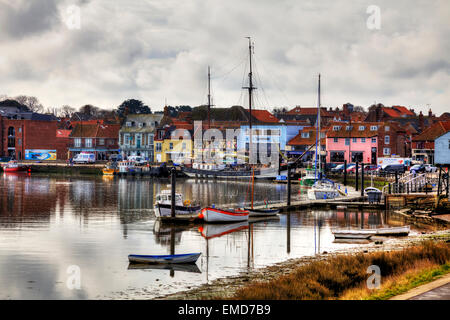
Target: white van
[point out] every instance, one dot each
(84, 158)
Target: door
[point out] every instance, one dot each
(138, 141)
(374, 156)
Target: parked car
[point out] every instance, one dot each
(137, 159)
(392, 169)
(430, 168)
(331, 165)
(115, 157)
(351, 168)
(417, 168)
(84, 158)
(338, 169)
(371, 168)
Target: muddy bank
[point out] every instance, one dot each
(225, 287)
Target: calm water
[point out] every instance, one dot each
(48, 225)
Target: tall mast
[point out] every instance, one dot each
(250, 89)
(209, 98)
(318, 134)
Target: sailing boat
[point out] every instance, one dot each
(322, 188)
(220, 171)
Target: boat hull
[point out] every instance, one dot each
(354, 234)
(224, 216)
(165, 210)
(164, 259)
(265, 173)
(16, 169)
(262, 212)
(394, 231)
(322, 194)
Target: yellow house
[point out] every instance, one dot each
(173, 150)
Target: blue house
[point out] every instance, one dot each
(442, 149)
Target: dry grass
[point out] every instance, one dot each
(332, 278)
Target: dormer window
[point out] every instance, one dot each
(128, 123)
(305, 134)
(140, 125)
(348, 128)
(336, 128)
(362, 128)
(387, 128)
(373, 128)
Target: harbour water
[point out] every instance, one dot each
(55, 228)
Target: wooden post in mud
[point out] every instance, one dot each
(172, 247)
(362, 179)
(173, 178)
(356, 176)
(345, 173)
(288, 185)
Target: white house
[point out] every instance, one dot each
(442, 149)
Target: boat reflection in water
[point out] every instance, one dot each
(189, 267)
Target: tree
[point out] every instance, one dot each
(67, 111)
(132, 106)
(31, 102)
(89, 111)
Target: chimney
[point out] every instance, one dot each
(421, 121)
(430, 113)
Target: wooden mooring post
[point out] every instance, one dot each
(289, 185)
(362, 179)
(173, 178)
(357, 176)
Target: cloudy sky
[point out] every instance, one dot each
(158, 50)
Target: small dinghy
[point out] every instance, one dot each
(354, 233)
(393, 231)
(262, 212)
(210, 214)
(164, 259)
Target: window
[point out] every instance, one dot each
(183, 146)
(336, 128)
(77, 142)
(347, 141)
(305, 134)
(11, 132)
(126, 138)
(140, 125)
(128, 123)
(171, 146)
(337, 156)
(323, 135)
(160, 134)
(387, 151)
(150, 139)
(336, 140)
(387, 139)
(88, 142)
(386, 128)
(348, 128)
(19, 142)
(374, 140)
(158, 147)
(355, 140)
(373, 128)
(101, 142)
(363, 140)
(362, 128)
(357, 156)
(20, 130)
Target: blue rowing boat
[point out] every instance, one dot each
(164, 259)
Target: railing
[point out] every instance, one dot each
(410, 183)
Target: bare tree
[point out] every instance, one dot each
(67, 111)
(31, 102)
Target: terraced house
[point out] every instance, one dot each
(136, 136)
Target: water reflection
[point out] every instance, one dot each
(49, 224)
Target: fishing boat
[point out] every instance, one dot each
(163, 205)
(164, 259)
(354, 233)
(210, 214)
(110, 169)
(14, 166)
(324, 189)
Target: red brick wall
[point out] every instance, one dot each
(35, 135)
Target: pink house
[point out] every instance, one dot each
(354, 142)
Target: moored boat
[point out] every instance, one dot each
(210, 214)
(165, 259)
(262, 212)
(14, 166)
(163, 205)
(394, 231)
(324, 189)
(110, 169)
(354, 233)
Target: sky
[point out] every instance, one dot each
(102, 52)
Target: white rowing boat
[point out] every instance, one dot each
(223, 215)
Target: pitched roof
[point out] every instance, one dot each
(309, 111)
(298, 140)
(403, 110)
(264, 116)
(354, 132)
(431, 133)
(95, 131)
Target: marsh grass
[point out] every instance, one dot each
(331, 278)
